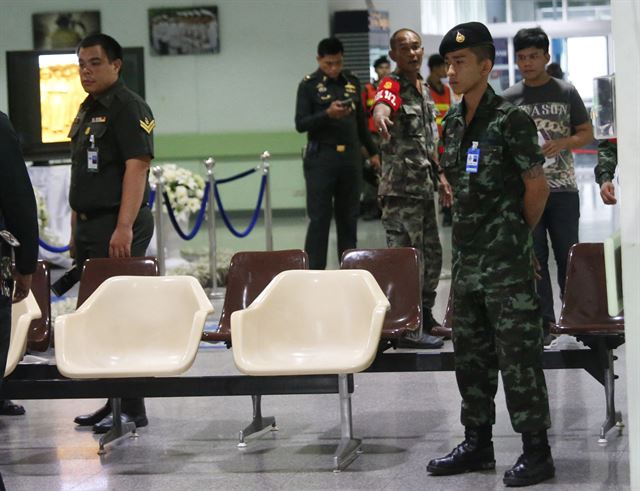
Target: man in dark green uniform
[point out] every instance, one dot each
(19, 219)
(111, 151)
(329, 109)
(494, 164)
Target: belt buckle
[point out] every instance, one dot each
(341, 148)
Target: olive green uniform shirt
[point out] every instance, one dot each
(121, 124)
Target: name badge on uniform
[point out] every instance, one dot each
(93, 159)
(473, 158)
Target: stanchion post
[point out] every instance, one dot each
(158, 172)
(268, 225)
(211, 228)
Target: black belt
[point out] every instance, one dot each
(91, 215)
(336, 147)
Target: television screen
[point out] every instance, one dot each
(45, 94)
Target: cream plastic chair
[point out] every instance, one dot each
(22, 313)
(133, 326)
(313, 322)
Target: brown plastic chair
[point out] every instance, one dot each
(249, 274)
(584, 306)
(96, 270)
(40, 329)
(397, 271)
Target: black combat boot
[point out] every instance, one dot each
(475, 453)
(535, 464)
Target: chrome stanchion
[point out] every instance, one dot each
(211, 229)
(158, 172)
(268, 226)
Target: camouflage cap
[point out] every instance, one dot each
(467, 35)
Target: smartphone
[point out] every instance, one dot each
(345, 102)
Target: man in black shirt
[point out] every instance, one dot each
(18, 216)
(111, 151)
(329, 109)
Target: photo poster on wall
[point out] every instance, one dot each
(184, 31)
(58, 30)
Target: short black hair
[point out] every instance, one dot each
(435, 60)
(381, 61)
(330, 46)
(392, 39)
(484, 52)
(111, 47)
(533, 37)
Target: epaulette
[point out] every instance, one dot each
(308, 77)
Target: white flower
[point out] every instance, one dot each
(184, 188)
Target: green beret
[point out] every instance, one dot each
(467, 35)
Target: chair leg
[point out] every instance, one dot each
(349, 447)
(613, 417)
(118, 429)
(259, 422)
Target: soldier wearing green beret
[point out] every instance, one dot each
(605, 169)
(494, 165)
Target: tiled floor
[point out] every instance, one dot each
(403, 418)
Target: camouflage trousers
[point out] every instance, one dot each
(411, 222)
(500, 329)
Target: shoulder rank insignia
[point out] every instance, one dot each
(459, 37)
(99, 119)
(147, 125)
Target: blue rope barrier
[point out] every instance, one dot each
(152, 198)
(50, 248)
(256, 212)
(237, 176)
(199, 217)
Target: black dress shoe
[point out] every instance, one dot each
(475, 453)
(105, 425)
(530, 468)
(8, 408)
(93, 418)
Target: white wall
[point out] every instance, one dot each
(626, 29)
(267, 46)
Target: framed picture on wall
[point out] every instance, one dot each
(184, 31)
(58, 30)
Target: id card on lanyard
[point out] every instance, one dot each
(473, 158)
(93, 158)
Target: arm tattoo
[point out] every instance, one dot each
(533, 173)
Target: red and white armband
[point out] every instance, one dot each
(389, 93)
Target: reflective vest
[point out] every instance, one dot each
(368, 98)
(442, 102)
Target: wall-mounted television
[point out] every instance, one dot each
(45, 93)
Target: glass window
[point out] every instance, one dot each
(527, 10)
(589, 9)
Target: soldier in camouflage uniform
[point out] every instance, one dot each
(494, 165)
(606, 169)
(409, 153)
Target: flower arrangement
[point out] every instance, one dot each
(184, 188)
(43, 216)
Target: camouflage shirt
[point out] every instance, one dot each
(406, 155)
(607, 161)
(491, 241)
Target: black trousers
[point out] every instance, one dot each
(333, 189)
(92, 238)
(560, 221)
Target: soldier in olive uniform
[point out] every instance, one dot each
(405, 116)
(605, 169)
(494, 164)
(111, 151)
(329, 109)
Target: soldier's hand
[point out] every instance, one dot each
(22, 285)
(120, 243)
(608, 193)
(383, 123)
(374, 160)
(536, 268)
(72, 246)
(445, 194)
(338, 110)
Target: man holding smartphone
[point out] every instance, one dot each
(329, 110)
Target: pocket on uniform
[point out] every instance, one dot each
(489, 176)
(412, 124)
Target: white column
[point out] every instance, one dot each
(626, 28)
